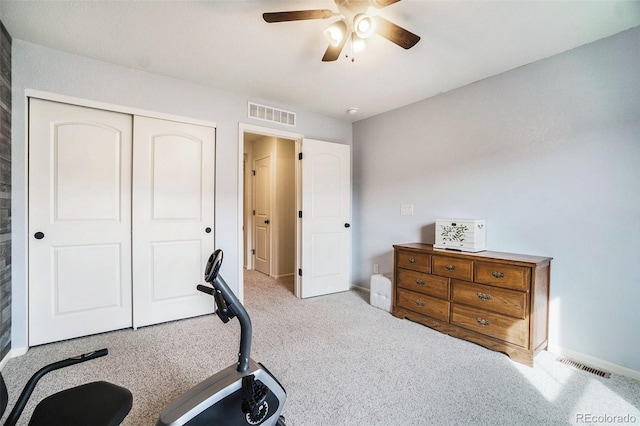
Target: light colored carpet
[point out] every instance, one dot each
(342, 362)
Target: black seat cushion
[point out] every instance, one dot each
(91, 404)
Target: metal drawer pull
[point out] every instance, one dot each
(498, 274)
(412, 260)
(483, 322)
(484, 296)
(450, 267)
(420, 282)
(420, 303)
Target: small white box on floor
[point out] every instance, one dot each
(380, 291)
(461, 234)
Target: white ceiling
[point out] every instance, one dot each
(227, 44)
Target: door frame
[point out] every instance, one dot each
(266, 131)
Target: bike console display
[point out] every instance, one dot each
(213, 266)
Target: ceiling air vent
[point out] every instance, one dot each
(275, 115)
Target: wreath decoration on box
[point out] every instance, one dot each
(454, 233)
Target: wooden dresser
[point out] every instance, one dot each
(497, 300)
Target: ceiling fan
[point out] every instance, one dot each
(355, 25)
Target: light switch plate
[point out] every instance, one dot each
(406, 209)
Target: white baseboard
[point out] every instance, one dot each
(277, 277)
(360, 288)
(594, 362)
(13, 352)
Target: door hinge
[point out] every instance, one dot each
(253, 251)
(254, 212)
(299, 156)
(253, 172)
(300, 272)
(300, 214)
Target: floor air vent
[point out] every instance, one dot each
(275, 115)
(584, 367)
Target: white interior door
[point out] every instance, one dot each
(262, 217)
(326, 218)
(173, 218)
(79, 221)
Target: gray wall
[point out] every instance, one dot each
(39, 68)
(549, 155)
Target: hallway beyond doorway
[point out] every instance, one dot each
(255, 281)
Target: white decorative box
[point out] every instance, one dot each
(461, 234)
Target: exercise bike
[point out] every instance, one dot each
(245, 393)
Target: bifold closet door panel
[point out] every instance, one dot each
(173, 213)
(79, 221)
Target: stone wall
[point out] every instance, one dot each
(5, 191)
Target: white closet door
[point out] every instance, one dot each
(79, 221)
(173, 213)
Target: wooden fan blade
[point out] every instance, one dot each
(383, 3)
(332, 53)
(395, 34)
(297, 15)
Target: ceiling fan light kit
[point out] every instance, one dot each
(335, 33)
(364, 25)
(356, 25)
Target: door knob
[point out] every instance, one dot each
(207, 230)
(266, 222)
(347, 225)
(38, 235)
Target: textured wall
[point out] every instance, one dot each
(5, 191)
(549, 155)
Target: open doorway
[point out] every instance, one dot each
(270, 205)
(322, 241)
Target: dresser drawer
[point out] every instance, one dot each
(452, 267)
(501, 275)
(423, 304)
(500, 300)
(423, 283)
(414, 261)
(491, 324)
